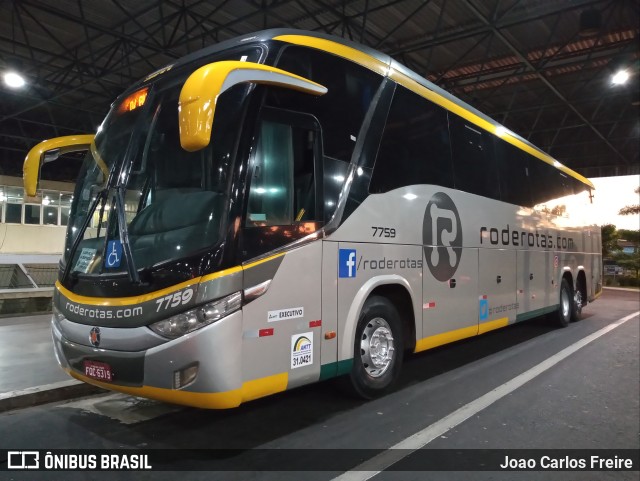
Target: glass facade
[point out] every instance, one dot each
(48, 207)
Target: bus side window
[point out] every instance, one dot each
(473, 163)
(415, 146)
(340, 112)
(550, 184)
(342, 109)
(284, 201)
(513, 170)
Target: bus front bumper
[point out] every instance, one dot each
(213, 352)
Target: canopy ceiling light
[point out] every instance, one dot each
(620, 77)
(14, 80)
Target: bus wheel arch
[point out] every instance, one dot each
(401, 299)
(383, 305)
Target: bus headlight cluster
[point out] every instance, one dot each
(194, 319)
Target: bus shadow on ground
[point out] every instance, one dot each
(434, 362)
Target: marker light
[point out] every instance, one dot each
(14, 80)
(620, 77)
(185, 376)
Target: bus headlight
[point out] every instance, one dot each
(194, 319)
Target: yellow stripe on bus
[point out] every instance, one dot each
(262, 261)
(127, 301)
(338, 49)
(381, 68)
(483, 124)
(121, 301)
(491, 325)
(456, 335)
(250, 390)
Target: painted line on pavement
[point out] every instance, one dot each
(404, 448)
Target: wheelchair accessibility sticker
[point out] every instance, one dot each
(114, 254)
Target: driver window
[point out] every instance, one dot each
(283, 182)
(284, 201)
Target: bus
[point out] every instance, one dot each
(289, 207)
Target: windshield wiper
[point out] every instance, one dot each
(100, 197)
(124, 237)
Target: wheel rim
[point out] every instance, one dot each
(377, 348)
(577, 299)
(564, 300)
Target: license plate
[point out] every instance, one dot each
(98, 370)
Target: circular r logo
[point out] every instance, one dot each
(442, 236)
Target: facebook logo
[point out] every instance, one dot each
(347, 263)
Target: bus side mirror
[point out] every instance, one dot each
(47, 151)
(199, 94)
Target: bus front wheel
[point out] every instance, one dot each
(563, 316)
(378, 348)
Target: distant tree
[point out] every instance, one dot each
(631, 209)
(629, 261)
(629, 235)
(609, 240)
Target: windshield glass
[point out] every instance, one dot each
(174, 201)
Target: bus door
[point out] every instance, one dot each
(283, 325)
(450, 284)
(536, 272)
(497, 303)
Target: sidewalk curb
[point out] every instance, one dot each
(47, 393)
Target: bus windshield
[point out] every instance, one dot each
(174, 202)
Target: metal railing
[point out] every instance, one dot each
(26, 283)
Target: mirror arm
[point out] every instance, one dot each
(47, 151)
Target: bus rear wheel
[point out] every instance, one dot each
(578, 302)
(378, 348)
(563, 315)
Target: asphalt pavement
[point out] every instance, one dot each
(588, 399)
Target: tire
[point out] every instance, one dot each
(577, 302)
(378, 349)
(563, 315)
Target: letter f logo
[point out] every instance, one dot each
(347, 263)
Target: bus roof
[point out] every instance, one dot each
(385, 65)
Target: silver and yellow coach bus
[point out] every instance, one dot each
(290, 207)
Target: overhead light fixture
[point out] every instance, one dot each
(14, 80)
(620, 77)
